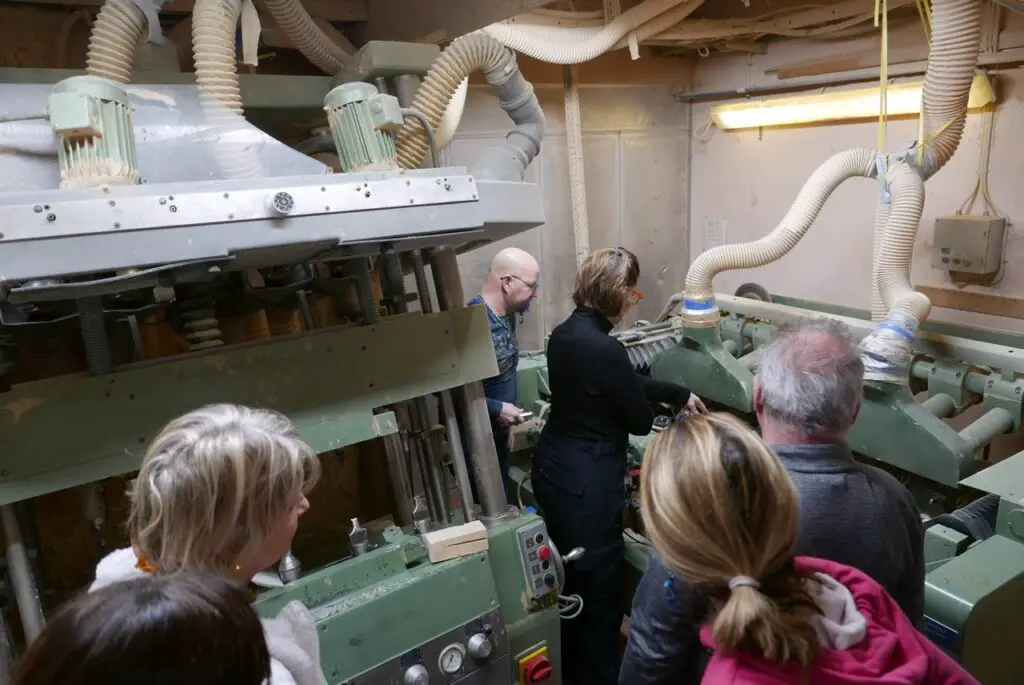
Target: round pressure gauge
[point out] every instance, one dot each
(452, 656)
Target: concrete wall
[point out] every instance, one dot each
(636, 145)
(749, 179)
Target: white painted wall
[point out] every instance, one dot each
(636, 142)
(749, 179)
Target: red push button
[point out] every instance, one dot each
(544, 552)
(538, 669)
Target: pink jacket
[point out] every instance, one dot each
(884, 649)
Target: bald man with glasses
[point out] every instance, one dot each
(510, 287)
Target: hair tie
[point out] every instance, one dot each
(743, 581)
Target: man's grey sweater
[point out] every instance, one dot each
(850, 513)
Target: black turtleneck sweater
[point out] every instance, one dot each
(595, 392)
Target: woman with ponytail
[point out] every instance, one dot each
(721, 511)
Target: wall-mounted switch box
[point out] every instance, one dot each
(968, 244)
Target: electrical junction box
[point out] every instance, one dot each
(968, 244)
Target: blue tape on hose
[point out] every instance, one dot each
(896, 329)
(698, 304)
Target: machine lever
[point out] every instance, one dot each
(574, 554)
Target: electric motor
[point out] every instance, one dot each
(94, 120)
(363, 122)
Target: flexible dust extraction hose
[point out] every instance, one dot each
(306, 36)
(878, 308)
(888, 350)
(213, 47)
(475, 52)
(113, 41)
(698, 297)
(644, 21)
(539, 42)
(445, 131)
(956, 38)
(955, 42)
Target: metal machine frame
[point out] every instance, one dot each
(972, 586)
(385, 613)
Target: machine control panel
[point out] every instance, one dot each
(535, 553)
(969, 244)
(475, 653)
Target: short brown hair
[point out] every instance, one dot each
(157, 630)
(603, 280)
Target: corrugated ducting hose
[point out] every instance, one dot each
(113, 41)
(698, 296)
(475, 52)
(306, 36)
(213, 47)
(887, 351)
(549, 45)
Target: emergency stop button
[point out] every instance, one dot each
(544, 552)
(537, 670)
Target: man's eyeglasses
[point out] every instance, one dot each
(529, 286)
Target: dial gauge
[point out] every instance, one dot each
(451, 659)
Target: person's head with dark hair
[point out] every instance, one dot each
(606, 282)
(182, 628)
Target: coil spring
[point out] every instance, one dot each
(418, 269)
(394, 278)
(364, 287)
(200, 325)
(642, 355)
(94, 336)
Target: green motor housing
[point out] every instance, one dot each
(363, 122)
(93, 117)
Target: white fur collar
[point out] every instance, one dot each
(291, 636)
(840, 625)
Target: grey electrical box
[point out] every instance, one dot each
(969, 244)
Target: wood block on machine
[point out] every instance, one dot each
(455, 542)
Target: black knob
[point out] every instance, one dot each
(549, 578)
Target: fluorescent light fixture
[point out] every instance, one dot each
(858, 103)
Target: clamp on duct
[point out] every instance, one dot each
(699, 309)
(888, 350)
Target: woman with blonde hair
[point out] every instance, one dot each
(721, 511)
(579, 467)
(221, 490)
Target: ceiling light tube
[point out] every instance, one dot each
(838, 105)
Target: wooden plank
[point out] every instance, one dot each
(979, 303)
(611, 68)
(438, 20)
(330, 10)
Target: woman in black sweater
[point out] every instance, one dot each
(579, 466)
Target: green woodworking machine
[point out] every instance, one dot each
(975, 579)
(131, 211)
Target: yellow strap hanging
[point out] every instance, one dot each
(882, 16)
